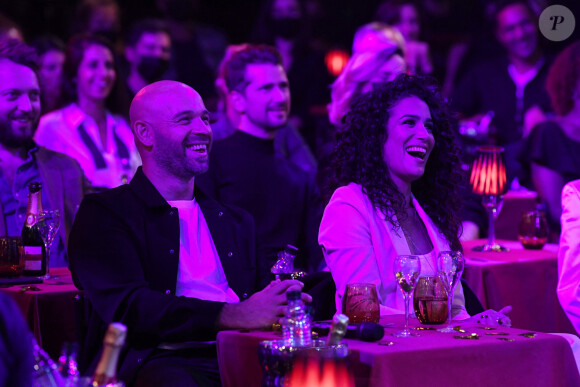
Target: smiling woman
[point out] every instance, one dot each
(393, 177)
(89, 128)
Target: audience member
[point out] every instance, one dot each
(88, 128)
(246, 171)
(9, 29)
(287, 142)
(51, 57)
(285, 24)
(101, 18)
(196, 48)
(511, 86)
(552, 151)
(376, 36)
(569, 254)
(395, 172)
(363, 70)
(165, 259)
(404, 15)
(147, 51)
(22, 161)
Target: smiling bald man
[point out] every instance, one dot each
(162, 257)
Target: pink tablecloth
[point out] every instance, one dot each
(49, 311)
(433, 359)
(524, 279)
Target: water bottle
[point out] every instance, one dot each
(284, 266)
(296, 325)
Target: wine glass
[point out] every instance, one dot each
(534, 232)
(449, 268)
(361, 303)
(48, 227)
(407, 269)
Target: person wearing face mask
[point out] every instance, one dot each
(286, 25)
(148, 52)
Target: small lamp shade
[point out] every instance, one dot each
(488, 171)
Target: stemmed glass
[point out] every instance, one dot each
(407, 269)
(449, 268)
(48, 227)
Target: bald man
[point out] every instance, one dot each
(162, 257)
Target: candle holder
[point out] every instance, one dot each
(488, 178)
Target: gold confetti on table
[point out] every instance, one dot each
(425, 328)
(386, 343)
(473, 336)
(497, 333)
(505, 339)
(529, 335)
(458, 329)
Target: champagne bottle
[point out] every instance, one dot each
(106, 371)
(337, 330)
(34, 251)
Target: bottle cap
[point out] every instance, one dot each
(292, 250)
(35, 186)
(294, 295)
(116, 334)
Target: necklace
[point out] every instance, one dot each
(414, 223)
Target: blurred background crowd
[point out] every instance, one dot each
(332, 50)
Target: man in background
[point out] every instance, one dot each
(22, 161)
(246, 171)
(148, 52)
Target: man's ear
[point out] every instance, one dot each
(238, 101)
(143, 132)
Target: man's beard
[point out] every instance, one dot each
(11, 140)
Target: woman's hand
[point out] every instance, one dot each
(492, 318)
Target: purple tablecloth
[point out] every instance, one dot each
(433, 359)
(524, 279)
(49, 311)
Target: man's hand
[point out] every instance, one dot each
(262, 309)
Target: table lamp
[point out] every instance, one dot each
(488, 178)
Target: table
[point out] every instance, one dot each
(525, 279)
(49, 311)
(434, 359)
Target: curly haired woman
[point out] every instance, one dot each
(395, 170)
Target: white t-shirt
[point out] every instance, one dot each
(200, 273)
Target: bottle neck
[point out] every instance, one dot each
(34, 208)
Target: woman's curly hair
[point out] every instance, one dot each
(359, 155)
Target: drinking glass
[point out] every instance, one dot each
(533, 233)
(407, 269)
(430, 300)
(361, 303)
(11, 256)
(48, 227)
(449, 268)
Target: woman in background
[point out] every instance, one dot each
(51, 57)
(91, 127)
(552, 150)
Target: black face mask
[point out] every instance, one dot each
(152, 68)
(287, 28)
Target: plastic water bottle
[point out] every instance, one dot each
(296, 325)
